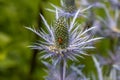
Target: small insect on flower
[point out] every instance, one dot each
(62, 41)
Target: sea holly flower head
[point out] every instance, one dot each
(62, 41)
(69, 9)
(108, 26)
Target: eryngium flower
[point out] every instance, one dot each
(63, 41)
(69, 9)
(108, 26)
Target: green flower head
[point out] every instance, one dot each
(61, 33)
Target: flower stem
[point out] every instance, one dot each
(62, 69)
(99, 69)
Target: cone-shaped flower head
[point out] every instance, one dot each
(63, 41)
(69, 6)
(61, 33)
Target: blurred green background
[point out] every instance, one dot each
(16, 59)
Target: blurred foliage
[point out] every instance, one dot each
(15, 56)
